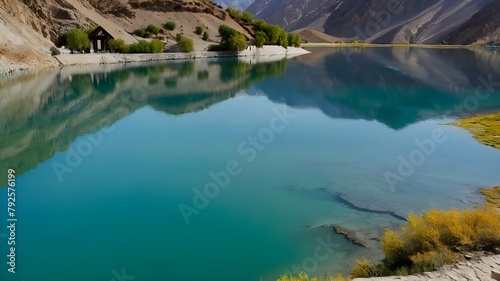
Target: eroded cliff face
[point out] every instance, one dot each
(379, 21)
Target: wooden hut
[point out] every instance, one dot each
(99, 40)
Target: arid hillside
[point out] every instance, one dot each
(29, 28)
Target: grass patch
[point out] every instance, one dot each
(303, 277)
(492, 195)
(484, 128)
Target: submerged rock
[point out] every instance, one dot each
(349, 234)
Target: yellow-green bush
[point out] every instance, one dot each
(432, 239)
(492, 195)
(304, 277)
(364, 268)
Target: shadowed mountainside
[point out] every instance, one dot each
(386, 21)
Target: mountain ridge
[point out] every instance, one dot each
(380, 21)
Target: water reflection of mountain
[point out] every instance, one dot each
(395, 86)
(43, 114)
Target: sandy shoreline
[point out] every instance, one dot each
(266, 53)
(353, 45)
(251, 55)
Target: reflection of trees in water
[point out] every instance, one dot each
(84, 103)
(231, 70)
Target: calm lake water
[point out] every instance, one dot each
(225, 170)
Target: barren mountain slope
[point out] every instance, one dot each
(380, 21)
(30, 27)
(482, 28)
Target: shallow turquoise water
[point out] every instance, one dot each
(106, 157)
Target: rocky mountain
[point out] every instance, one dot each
(382, 21)
(483, 27)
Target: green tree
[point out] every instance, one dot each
(141, 32)
(118, 45)
(234, 13)
(77, 39)
(205, 36)
(231, 40)
(259, 25)
(237, 42)
(246, 18)
(170, 25)
(157, 46)
(273, 33)
(226, 32)
(186, 44)
(294, 40)
(153, 29)
(198, 30)
(142, 46)
(283, 39)
(260, 39)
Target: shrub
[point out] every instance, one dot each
(231, 40)
(178, 37)
(77, 39)
(152, 29)
(283, 38)
(226, 32)
(198, 30)
(428, 261)
(294, 40)
(186, 44)
(492, 195)
(237, 42)
(364, 269)
(118, 46)
(259, 25)
(260, 39)
(141, 32)
(432, 239)
(273, 33)
(157, 46)
(205, 36)
(234, 13)
(170, 25)
(246, 18)
(140, 47)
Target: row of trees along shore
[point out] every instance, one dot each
(231, 40)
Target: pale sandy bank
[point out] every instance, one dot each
(260, 54)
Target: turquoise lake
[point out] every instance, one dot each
(222, 169)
